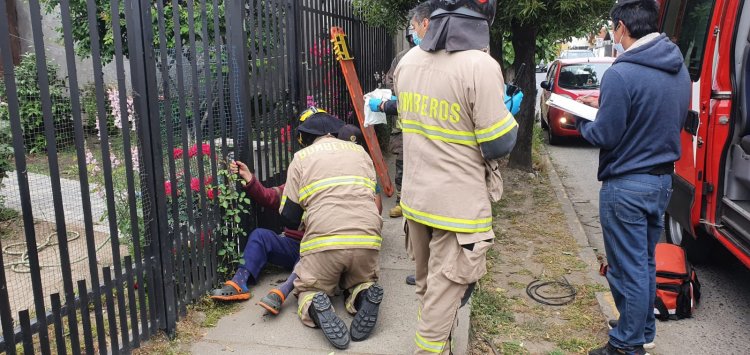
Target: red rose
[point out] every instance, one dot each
(205, 149)
(177, 153)
(209, 180)
(210, 194)
(195, 184)
(168, 188)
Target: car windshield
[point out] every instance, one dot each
(578, 54)
(582, 76)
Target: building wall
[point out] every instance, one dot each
(55, 48)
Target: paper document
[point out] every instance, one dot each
(572, 106)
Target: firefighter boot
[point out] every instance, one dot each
(368, 306)
(334, 329)
(396, 212)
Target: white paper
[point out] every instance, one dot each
(572, 106)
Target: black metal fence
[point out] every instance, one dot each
(110, 217)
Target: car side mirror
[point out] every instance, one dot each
(546, 85)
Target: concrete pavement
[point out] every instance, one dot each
(251, 331)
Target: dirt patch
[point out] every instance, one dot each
(203, 314)
(533, 243)
(18, 278)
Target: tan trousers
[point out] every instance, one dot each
(444, 269)
(354, 270)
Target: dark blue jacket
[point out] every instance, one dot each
(643, 101)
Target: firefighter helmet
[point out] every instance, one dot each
(484, 9)
(309, 112)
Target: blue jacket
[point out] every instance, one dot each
(644, 100)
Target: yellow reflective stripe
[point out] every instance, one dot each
(439, 133)
(341, 240)
(447, 223)
(283, 201)
(305, 301)
(316, 186)
(431, 346)
(497, 130)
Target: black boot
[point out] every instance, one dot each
(610, 349)
(368, 305)
(334, 329)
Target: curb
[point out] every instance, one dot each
(586, 252)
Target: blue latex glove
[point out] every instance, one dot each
(513, 103)
(375, 104)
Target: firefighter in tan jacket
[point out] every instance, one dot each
(454, 122)
(330, 189)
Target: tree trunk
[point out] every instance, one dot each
(524, 45)
(496, 46)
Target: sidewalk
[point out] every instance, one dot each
(250, 331)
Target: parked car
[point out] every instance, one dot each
(569, 78)
(577, 53)
(541, 67)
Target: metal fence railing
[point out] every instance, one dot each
(112, 137)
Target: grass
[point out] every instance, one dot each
(7, 214)
(533, 242)
(67, 158)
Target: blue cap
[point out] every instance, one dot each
(321, 124)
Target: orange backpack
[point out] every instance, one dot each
(678, 290)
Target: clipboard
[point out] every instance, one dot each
(571, 106)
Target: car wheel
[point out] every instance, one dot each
(699, 249)
(552, 138)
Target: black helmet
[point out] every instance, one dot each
(484, 9)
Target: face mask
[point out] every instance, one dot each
(416, 39)
(618, 46)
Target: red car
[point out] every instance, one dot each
(571, 78)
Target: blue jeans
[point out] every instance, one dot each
(265, 246)
(631, 210)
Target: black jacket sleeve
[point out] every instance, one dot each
(291, 215)
(390, 107)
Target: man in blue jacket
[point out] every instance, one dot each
(643, 105)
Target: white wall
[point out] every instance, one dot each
(55, 48)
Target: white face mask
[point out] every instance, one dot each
(618, 46)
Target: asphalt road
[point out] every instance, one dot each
(721, 324)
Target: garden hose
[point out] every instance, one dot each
(23, 265)
(567, 296)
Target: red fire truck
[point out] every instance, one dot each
(711, 198)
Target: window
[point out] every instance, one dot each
(687, 24)
(582, 76)
(551, 72)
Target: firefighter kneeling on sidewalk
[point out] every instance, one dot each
(455, 125)
(331, 189)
